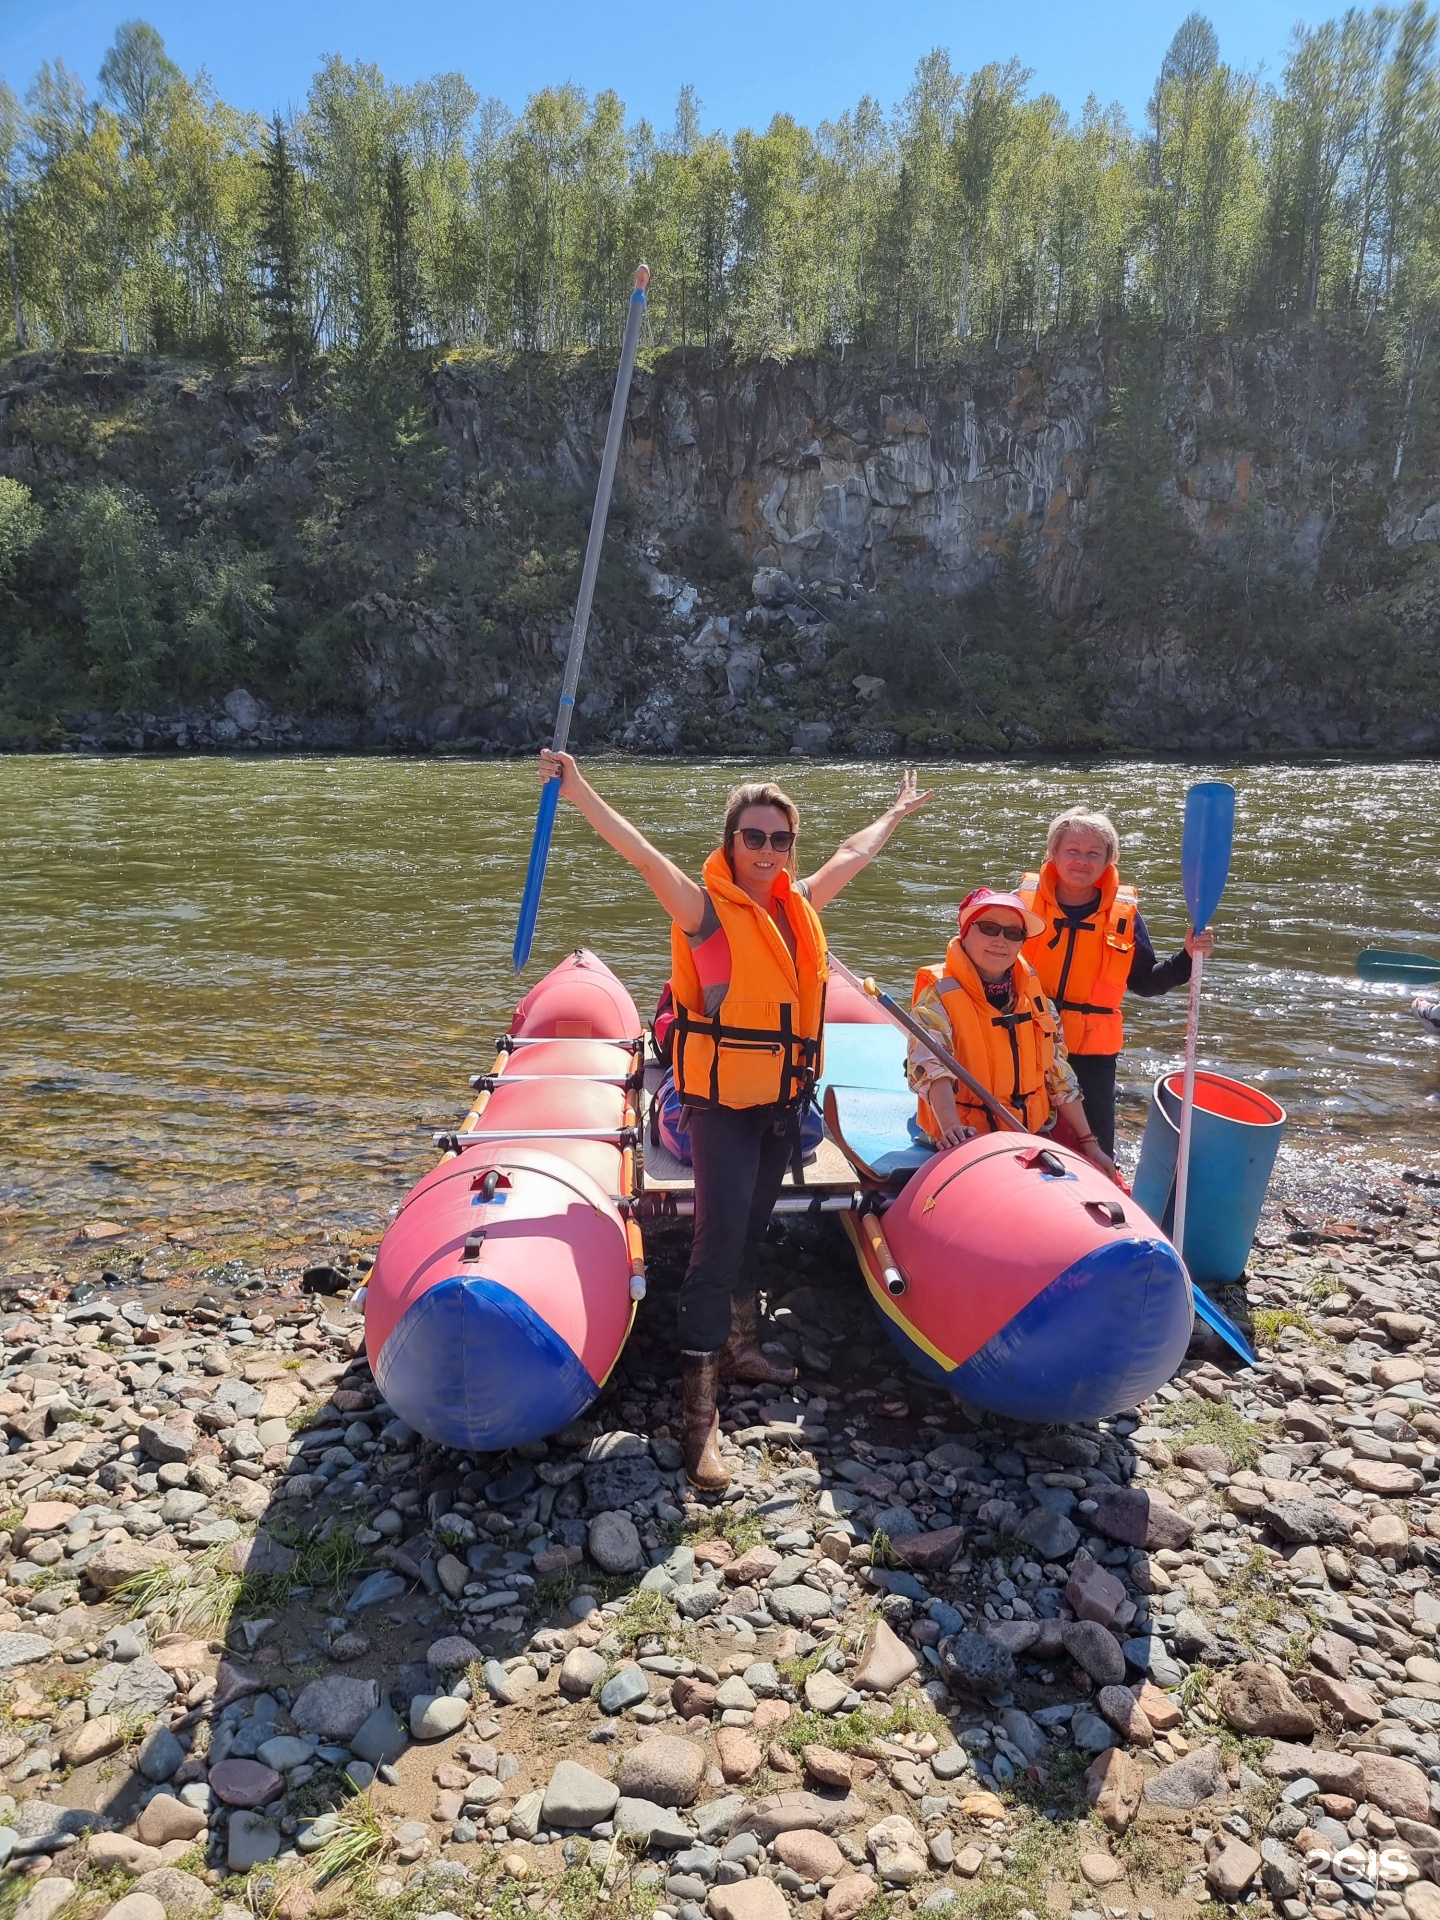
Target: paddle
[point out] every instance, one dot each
(1204, 869)
(550, 792)
(1380, 963)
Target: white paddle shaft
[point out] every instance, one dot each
(1187, 1106)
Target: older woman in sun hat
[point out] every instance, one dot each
(1091, 948)
(986, 1007)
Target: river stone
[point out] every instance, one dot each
(581, 1668)
(1051, 1535)
(664, 1827)
(142, 1687)
(97, 1739)
(667, 1769)
(1258, 1699)
(337, 1707)
(798, 1604)
(437, 1716)
(250, 1840)
(23, 1649)
(136, 1906)
(1185, 1783)
(45, 1898)
(1137, 1519)
(576, 1797)
(1396, 1786)
(614, 1543)
(379, 1738)
(779, 1813)
(897, 1850)
(1307, 1523)
(625, 1688)
(285, 1751)
(452, 1653)
(884, 1662)
(813, 1855)
(973, 1664)
(164, 1819)
(244, 1783)
(824, 1691)
(1091, 1647)
(611, 1484)
(374, 1590)
(160, 1754)
(757, 1899)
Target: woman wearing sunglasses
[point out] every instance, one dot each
(748, 973)
(986, 1007)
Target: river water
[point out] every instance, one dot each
(238, 994)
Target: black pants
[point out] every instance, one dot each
(1096, 1074)
(739, 1156)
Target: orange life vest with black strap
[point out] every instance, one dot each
(762, 1045)
(1010, 1053)
(1084, 968)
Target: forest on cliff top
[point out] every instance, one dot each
(157, 218)
(183, 277)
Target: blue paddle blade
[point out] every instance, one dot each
(1380, 963)
(1205, 847)
(535, 873)
(1220, 1322)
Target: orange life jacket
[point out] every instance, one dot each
(1010, 1053)
(762, 1045)
(1084, 968)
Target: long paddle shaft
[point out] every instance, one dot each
(1002, 1117)
(550, 792)
(1187, 1106)
(1204, 868)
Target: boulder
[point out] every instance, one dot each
(1185, 1783)
(614, 1543)
(897, 1850)
(668, 1770)
(336, 1707)
(576, 1797)
(1113, 1786)
(1232, 1870)
(1257, 1698)
(1136, 1518)
(885, 1661)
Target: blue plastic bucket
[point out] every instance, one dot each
(1234, 1137)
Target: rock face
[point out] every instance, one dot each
(818, 473)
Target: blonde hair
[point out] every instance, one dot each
(1083, 820)
(759, 793)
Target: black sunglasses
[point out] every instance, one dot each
(993, 930)
(755, 838)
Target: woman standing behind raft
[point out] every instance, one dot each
(1090, 947)
(748, 971)
(987, 1008)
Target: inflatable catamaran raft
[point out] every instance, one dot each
(1008, 1270)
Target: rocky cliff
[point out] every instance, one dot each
(1197, 545)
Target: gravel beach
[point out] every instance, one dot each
(264, 1651)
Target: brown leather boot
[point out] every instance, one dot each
(700, 1422)
(742, 1357)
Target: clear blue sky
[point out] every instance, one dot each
(747, 58)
